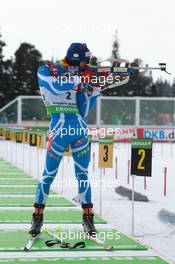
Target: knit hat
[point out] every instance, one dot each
(78, 52)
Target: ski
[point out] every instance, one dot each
(31, 242)
(99, 242)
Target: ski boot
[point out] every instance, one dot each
(37, 220)
(37, 223)
(88, 221)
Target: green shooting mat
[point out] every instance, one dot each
(13, 175)
(18, 181)
(29, 201)
(18, 190)
(87, 260)
(7, 166)
(15, 240)
(8, 169)
(51, 216)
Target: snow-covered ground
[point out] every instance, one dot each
(115, 208)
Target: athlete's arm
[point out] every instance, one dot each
(58, 85)
(86, 101)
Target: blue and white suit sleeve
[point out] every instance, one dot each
(55, 85)
(86, 103)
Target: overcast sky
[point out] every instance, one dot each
(146, 28)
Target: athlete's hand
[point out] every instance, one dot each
(88, 75)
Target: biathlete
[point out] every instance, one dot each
(68, 103)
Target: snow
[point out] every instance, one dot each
(115, 208)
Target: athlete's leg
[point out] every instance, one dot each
(81, 155)
(54, 155)
(53, 159)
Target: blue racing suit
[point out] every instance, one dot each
(68, 107)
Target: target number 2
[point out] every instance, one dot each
(141, 153)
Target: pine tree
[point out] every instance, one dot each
(164, 88)
(2, 45)
(173, 88)
(3, 84)
(26, 62)
(115, 47)
(140, 83)
(7, 81)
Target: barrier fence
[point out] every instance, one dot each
(109, 112)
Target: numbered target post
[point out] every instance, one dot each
(13, 136)
(26, 137)
(33, 139)
(1, 132)
(19, 136)
(105, 159)
(41, 140)
(8, 135)
(40, 144)
(141, 164)
(32, 143)
(141, 157)
(105, 152)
